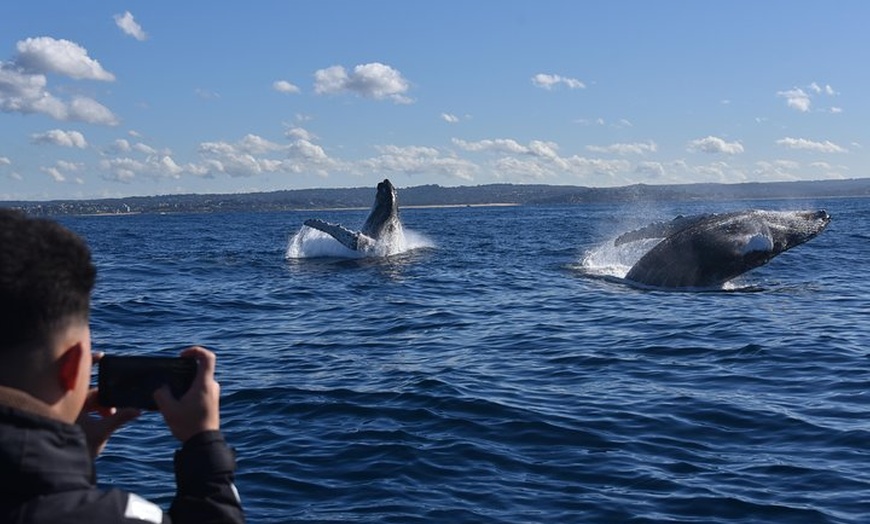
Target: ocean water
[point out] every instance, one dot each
(496, 371)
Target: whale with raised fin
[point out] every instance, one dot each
(382, 231)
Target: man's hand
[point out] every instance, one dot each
(99, 428)
(198, 409)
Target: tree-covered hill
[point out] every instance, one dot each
(435, 195)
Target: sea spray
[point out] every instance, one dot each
(312, 243)
(609, 260)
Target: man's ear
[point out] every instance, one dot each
(69, 364)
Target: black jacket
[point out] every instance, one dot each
(47, 475)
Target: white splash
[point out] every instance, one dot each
(312, 243)
(608, 260)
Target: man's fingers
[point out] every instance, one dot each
(162, 396)
(205, 360)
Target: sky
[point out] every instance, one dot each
(105, 99)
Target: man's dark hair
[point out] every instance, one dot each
(46, 278)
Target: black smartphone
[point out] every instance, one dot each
(130, 381)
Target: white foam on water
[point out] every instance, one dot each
(312, 243)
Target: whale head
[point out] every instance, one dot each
(793, 228)
(384, 217)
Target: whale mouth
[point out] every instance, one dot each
(820, 215)
(822, 218)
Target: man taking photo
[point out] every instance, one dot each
(51, 426)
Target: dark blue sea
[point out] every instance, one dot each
(488, 374)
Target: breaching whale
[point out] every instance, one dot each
(381, 231)
(708, 250)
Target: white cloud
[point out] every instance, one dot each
(819, 147)
(283, 86)
(58, 137)
(449, 118)
(619, 124)
(121, 169)
(827, 89)
(254, 155)
(68, 166)
(776, 170)
(85, 109)
(241, 165)
(499, 145)
(637, 148)
(549, 82)
(4, 161)
(138, 159)
(797, 98)
(54, 173)
(144, 148)
(374, 80)
(125, 169)
(537, 148)
(543, 149)
(24, 86)
(47, 55)
(652, 169)
(717, 171)
(585, 167)
(167, 166)
(61, 169)
(127, 24)
(415, 160)
(522, 168)
(307, 150)
(120, 145)
(712, 144)
(300, 133)
(257, 145)
(539, 160)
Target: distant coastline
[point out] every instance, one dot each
(440, 196)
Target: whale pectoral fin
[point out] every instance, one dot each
(757, 243)
(348, 238)
(660, 229)
(656, 230)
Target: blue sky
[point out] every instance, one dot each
(107, 99)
